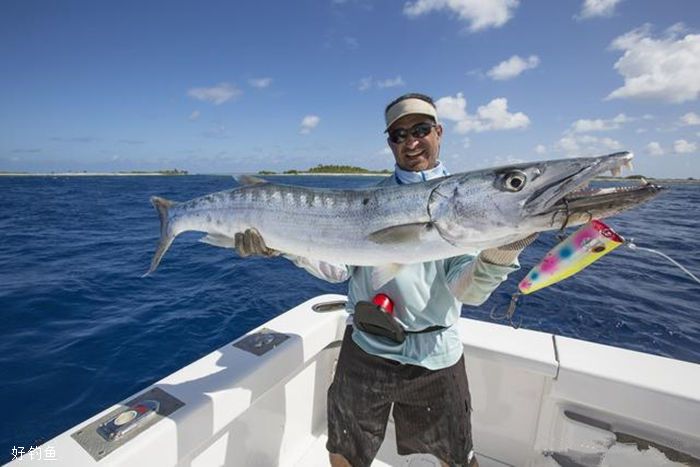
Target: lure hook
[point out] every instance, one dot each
(509, 312)
(560, 236)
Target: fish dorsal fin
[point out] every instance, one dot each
(404, 233)
(384, 273)
(246, 180)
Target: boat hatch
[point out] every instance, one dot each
(122, 424)
(261, 342)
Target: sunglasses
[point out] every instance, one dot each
(419, 130)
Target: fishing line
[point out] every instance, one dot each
(632, 246)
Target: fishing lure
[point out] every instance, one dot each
(585, 246)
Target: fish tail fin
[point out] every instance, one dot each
(162, 205)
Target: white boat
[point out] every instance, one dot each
(538, 400)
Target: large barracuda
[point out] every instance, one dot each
(440, 218)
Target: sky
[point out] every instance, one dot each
(235, 86)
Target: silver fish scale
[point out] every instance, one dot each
(300, 203)
(303, 220)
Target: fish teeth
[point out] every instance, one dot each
(643, 181)
(628, 165)
(616, 172)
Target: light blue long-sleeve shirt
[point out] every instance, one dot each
(424, 295)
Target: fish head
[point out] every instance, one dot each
(496, 206)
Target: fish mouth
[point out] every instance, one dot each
(584, 205)
(571, 196)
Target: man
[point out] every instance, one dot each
(423, 377)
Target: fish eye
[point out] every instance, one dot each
(514, 181)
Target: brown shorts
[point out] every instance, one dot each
(431, 407)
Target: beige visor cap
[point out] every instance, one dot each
(408, 107)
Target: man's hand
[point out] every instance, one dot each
(251, 243)
(506, 254)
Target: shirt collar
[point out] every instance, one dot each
(404, 176)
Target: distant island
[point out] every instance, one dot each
(154, 172)
(688, 181)
(85, 173)
(318, 170)
(329, 170)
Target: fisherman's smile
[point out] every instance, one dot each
(416, 158)
(415, 154)
(415, 142)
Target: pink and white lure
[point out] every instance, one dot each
(584, 247)
(587, 245)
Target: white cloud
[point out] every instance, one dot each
(217, 95)
(479, 14)
(593, 8)
(308, 123)
(585, 126)
(512, 67)
(260, 83)
(495, 116)
(667, 68)
(369, 82)
(351, 42)
(365, 84)
(654, 149)
(507, 160)
(691, 118)
(682, 146)
(541, 149)
(194, 116)
(584, 145)
(216, 132)
(452, 108)
(390, 83)
(492, 116)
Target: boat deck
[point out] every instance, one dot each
(317, 456)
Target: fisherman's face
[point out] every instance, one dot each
(416, 153)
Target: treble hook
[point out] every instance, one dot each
(560, 235)
(509, 312)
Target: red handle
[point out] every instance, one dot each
(384, 302)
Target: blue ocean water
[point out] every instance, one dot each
(82, 330)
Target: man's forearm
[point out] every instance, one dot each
(334, 273)
(475, 282)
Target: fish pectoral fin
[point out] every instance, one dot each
(247, 180)
(219, 240)
(383, 274)
(404, 233)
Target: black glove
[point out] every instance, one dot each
(251, 243)
(506, 254)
